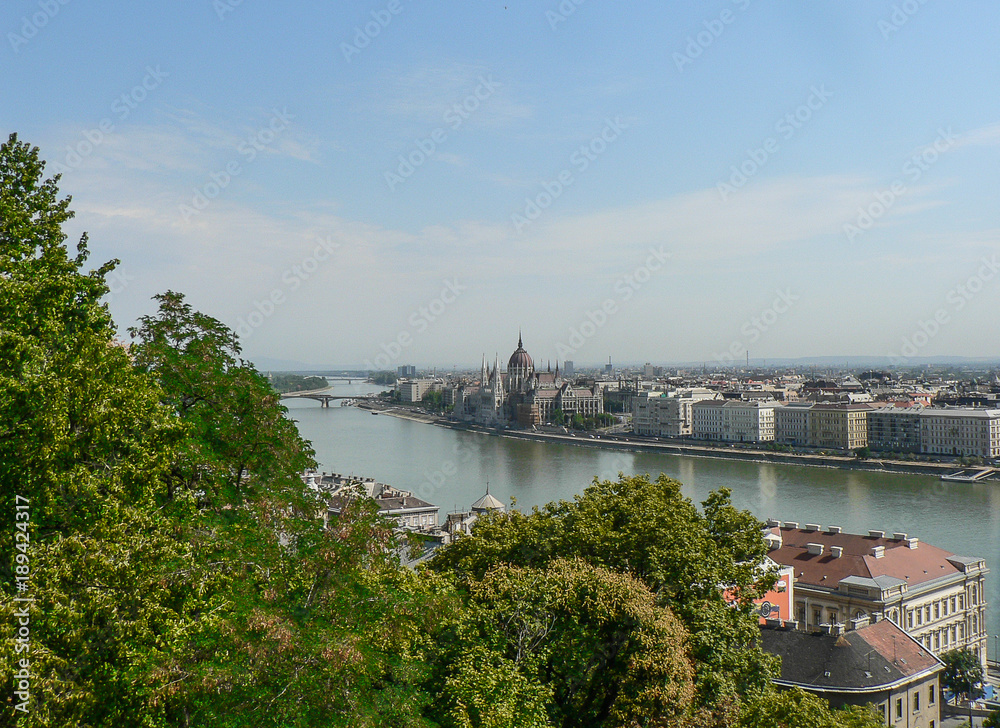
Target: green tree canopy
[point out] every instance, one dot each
(649, 530)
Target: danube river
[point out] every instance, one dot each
(451, 469)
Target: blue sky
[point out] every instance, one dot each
(397, 182)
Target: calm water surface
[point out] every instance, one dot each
(451, 469)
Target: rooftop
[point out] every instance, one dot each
(869, 658)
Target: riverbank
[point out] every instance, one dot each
(622, 442)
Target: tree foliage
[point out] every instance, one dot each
(649, 530)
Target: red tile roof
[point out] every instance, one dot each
(914, 566)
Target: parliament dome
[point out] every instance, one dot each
(520, 359)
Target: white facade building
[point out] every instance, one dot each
(733, 421)
(960, 431)
(667, 414)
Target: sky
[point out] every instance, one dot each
(386, 182)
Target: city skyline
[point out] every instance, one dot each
(402, 172)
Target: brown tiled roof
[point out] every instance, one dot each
(867, 659)
(907, 656)
(914, 566)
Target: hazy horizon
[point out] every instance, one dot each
(680, 182)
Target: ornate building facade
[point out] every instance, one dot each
(523, 396)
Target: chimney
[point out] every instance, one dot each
(791, 624)
(791, 524)
(899, 536)
(836, 551)
(875, 617)
(815, 549)
(860, 622)
(773, 623)
(834, 529)
(878, 551)
(773, 523)
(912, 543)
(835, 628)
(810, 527)
(876, 534)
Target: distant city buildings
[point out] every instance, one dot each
(523, 395)
(406, 370)
(836, 416)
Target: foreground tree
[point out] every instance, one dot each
(85, 442)
(584, 645)
(649, 530)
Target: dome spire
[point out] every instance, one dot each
(519, 344)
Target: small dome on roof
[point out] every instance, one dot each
(487, 503)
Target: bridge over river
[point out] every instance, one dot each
(321, 396)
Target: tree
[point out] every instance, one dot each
(586, 645)
(296, 608)
(795, 708)
(86, 443)
(992, 720)
(963, 675)
(649, 530)
(558, 417)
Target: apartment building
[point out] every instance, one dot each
(960, 431)
(937, 597)
(733, 420)
(667, 414)
(791, 423)
(895, 429)
(838, 426)
(413, 390)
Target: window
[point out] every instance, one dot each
(899, 708)
(930, 695)
(909, 619)
(916, 701)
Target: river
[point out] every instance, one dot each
(451, 469)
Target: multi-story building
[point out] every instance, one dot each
(895, 429)
(838, 426)
(413, 390)
(791, 423)
(733, 420)
(936, 596)
(667, 414)
(960, 431)
(406, 371)
(876, 663)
